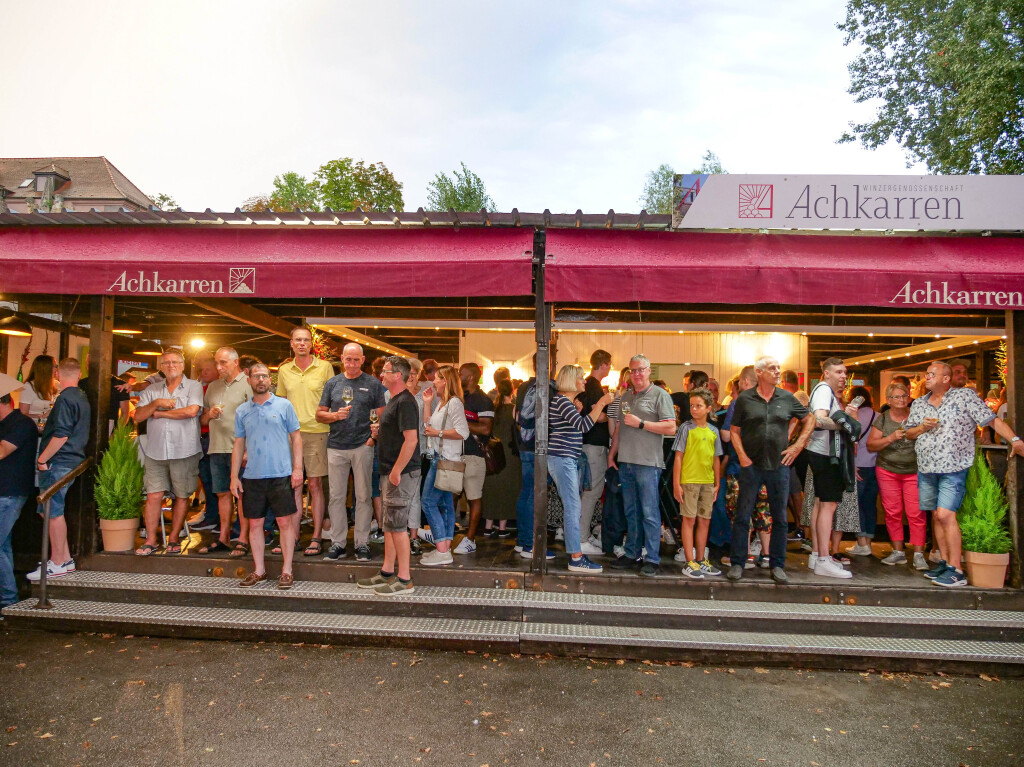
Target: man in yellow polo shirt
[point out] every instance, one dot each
(302, 381)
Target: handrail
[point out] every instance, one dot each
(44, 501)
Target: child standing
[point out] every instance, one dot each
(697, 473)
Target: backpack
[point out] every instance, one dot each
(526, 418)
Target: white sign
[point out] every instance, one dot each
(936, 203)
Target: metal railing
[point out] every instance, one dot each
(44, 503)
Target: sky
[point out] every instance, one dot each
(558, 105)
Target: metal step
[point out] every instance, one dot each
(305, 596)
(719, 615)
(770, 649)
(274, 625)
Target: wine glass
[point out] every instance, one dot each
(626, 409)
(347, 396)
(374, 417)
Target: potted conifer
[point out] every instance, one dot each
(986, 541)
(118, 491)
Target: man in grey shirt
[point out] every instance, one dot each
(172, 449)
(645, 418)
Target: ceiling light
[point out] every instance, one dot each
(128, 331)
(197, 343)
(148, 349)
(936, 335)
(871, 335)
(15, 326)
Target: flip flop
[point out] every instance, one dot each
(145, 550)
(214, 548)
(173, 548)
(240, 550)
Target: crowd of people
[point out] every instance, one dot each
(394, 451)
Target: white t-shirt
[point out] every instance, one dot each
(822, 398)
(37, 406)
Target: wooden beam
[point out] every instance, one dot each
(236, 310)
(1015, 416)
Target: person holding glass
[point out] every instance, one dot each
(40, 392)
(896, 472)
(446, 429)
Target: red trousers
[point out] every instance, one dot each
(899, 497)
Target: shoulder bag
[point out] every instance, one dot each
(494, 456)
(450, 474)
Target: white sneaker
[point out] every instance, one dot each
(465, 546)
(935, 557)
(920, 563)
(858, 551)
(680, 556)
(895, 558)
(425, 534)
(812, 560)
(829, 568)
(754, 550)
(435, 557)
(806, 545)
(559, 534)
(595, 534)
(619, 551)
(53, 570)
(595, 540)
(590, 550)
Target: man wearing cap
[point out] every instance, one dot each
(18, 440)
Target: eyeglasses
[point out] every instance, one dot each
(899, 396)
(385, 370)
(637, 371)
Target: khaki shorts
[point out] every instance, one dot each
(396, 501)
(314, 453)
(180, 476)
(473, 480)
(698, 500)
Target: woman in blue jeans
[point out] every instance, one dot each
(566, 427)
(445, 429)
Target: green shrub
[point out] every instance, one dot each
(982, 516)
(118, 488)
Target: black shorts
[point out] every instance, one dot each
(273, 496)
(828, 478)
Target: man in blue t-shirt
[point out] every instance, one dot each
(61, 449)
(18, 440)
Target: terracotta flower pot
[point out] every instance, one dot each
(119, 534)
(986, 571)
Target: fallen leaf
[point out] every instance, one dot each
(12, 728)
(46, 735)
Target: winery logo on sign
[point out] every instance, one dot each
(240, 281)
(756, 200)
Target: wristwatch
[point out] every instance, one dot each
(1015, 439)
(641, 427)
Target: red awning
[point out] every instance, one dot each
(854, 270)
(266, 263)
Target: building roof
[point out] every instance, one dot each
(92, 178)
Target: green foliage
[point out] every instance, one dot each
(164, 201)
(950, 79)
(346, 184)
(118, 488)
(657, 195)
(982, 515)
(465, 191)
(710, 164)
(292, 191)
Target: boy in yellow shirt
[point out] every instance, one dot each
(697, 473)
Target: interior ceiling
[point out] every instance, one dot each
(176, 321)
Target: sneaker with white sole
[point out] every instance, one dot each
(584, 565)
(807, 546)
(53, 570)
(559, 533)
(528, 554)
(435, 558)
(707, 568)
(829, 568)
(858, 551)
(465, 546)
(920, 563)
(590, 550)
(754, 549)
(895, 558)
(692, 570)
(619, 551)
(680, 556)
(424, 534)
(951, 578)
(812, 560)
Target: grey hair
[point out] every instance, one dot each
(401, 366)
(231, 351)
(641, 358)
(762, 362)
(176, 352)
(946, 365)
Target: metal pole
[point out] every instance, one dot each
(542, 327)
(43, 603)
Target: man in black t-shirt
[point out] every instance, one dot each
(119, 401)
(595, 448)
(398, 447)
(480, 416)
(18, 440)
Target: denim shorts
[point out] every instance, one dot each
(50, 477)
(941, 491)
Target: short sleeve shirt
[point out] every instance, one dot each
(950, 446)
(69, 418)
(367, 395)
(17, 470)
(640, 446)
(477, 406)
(401, 414)
(229, 396)
(822, 398)
(304, 388)
(166, 438)
(764, 425)
(699, 446)
(266, 429)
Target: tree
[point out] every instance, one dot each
(657, 196)
(259, 203)
(710, 164)
(346, 184)
(950, 78)
(292, 191)
(163, 201)
(465, 191)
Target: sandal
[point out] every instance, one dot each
(145, 550)
(172, 548)
(313, 549)
(240, 550)
(213, 548)
(298, 547)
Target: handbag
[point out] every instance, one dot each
(449, 475)
(494, 456)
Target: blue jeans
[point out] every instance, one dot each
(777, 485)
(613, 517)
(10, 508)
(640, 503)
(720, 531)
(565, 473)
(867, 501)
(438, 506)
(524, 506)
(50, 477)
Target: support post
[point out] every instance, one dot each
(101, 368)
(542, 329)
(1015, 416)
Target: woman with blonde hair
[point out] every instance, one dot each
(40, 392)
(445, 429)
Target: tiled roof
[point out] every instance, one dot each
(92, 178)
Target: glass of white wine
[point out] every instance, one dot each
(626, 409)
(373, 416)
(347, 396)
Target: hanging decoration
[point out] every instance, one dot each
(322, 348)
(24, 359)
(1001, 361)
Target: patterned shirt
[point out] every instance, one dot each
(949, 447)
